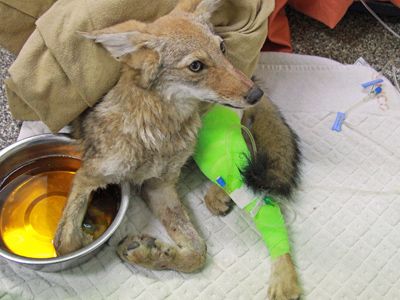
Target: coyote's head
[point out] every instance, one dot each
(180, 56)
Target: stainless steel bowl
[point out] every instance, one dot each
(18, 154)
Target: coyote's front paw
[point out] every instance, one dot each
(217, 201)
(283, 283)
(69, 238)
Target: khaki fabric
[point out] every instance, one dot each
(33, 8)
(58, 74)
(17, 21)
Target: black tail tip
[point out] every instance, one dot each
(259, 176)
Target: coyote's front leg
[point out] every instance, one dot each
(283, 282)
(69, 235)
(217, 201)
(188, 255)
(275, 170)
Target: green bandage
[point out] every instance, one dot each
(271, 225)
(221, 153)
(221, 150)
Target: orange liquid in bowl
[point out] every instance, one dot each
(34, 197)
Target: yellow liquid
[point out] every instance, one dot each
(35, 198)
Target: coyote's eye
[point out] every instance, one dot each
(196, 66)
(222, 46)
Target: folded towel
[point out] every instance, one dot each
(58, 74)
(17, 21)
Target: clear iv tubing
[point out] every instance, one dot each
(379, 19)
(392, 32)
(251, 138)
(395, 78)
(371, 94)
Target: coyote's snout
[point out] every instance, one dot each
(179, 57)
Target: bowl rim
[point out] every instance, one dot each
(124, 202)
(36, 138)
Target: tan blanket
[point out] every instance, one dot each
(17, 21)
(57, 74)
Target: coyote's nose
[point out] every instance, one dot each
(254, 94)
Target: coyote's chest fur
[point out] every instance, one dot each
(139, 135)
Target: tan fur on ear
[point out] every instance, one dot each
(122, 38)
(131, 44)
(121, 43)
(206, 8)
(200, 8)
(118, 44)
(147, 64)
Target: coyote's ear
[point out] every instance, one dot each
(121, 43)
(201, 8)
(132, 46)
(122, 38)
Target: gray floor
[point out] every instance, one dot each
(357, 35)
(8, 126)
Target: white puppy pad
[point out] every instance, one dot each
(344, 221)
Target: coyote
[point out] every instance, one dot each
(145, 128)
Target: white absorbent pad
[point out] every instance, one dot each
(343, 222)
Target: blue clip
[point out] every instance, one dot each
(221, 181)
(373, 82)
(340, 117)
(378, 90)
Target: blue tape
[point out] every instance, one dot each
(373, 82)
(340, 117)
(221, 181)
